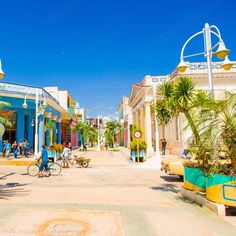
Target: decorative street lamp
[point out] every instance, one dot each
(222, 52)
(39, 109)
(2, 74)
(99, 145)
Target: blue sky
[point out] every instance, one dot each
(97, 49)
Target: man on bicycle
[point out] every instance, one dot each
(44, 164)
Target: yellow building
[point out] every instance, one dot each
(142, 103)
(142, 98)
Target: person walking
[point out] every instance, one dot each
(4, 149)
(15, 149)
(8, 148)
(44, 164)
(25, 148)
(66, 153)
(163, 146)
(20, 145)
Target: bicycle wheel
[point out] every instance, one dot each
(85, 164)
(64, 164)
(55, 169)
(33, 170)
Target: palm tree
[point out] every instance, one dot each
(110, 133)
(163, 115)
(3, 119)
(182, 97)
(86, 131)
(219, 128)
(50, 125)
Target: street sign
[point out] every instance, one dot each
(137, 135)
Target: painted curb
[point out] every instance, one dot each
(200, 199)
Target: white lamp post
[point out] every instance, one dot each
(38, 109)
(99, 146)
(221, 52)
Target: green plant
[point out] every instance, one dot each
(58, 148)
(110, 133)
(182, 97)
(3, 117)
(87, 132)
(50, 125)
(135, 143)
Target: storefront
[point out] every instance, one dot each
(23, 119)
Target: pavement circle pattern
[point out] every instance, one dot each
(63, 226)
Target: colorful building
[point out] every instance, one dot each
(54, 121)
(142, 101)
(124, 111)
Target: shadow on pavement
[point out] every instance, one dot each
(231, 211)
(5, 175)
(167, 188)
(12, 190)
(172, 178)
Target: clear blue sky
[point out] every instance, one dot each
(97, 49)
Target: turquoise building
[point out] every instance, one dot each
(22, 114)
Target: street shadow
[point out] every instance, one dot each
(6, 175)
(10, 190)
(231, 211)
(167, 188)
(172, 178)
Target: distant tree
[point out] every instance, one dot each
(110, 133)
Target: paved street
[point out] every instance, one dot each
(112, 197)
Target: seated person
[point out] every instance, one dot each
(184, 154)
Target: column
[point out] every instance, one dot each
(148, 129)
(48, 118)
(59, 130)
(54, 130)
(20, 124)
(41, 131)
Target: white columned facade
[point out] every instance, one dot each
(148, 129)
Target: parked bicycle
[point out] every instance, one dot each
(54, 169)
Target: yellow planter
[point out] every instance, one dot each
(194, 179)
(221, 189)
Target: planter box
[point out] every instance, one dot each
(134, 155)
(221, 189)
(194, 179)
(53, 155)
(141, 159)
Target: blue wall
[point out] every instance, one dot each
(16, 105)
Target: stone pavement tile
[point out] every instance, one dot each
(63, 222)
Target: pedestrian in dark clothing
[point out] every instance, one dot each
(20, 145)
(25, 148)
(163, 146)
(15, 149)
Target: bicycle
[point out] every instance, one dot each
(66, 162)
(54, 169)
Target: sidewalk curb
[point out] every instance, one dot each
(200, 199)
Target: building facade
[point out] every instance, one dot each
(68, 103)
(54, 121)
(23, 119)
(125, 121)
(142, 101)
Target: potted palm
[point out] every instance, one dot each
(133, 150)
(182, 97)
(138, 150)
(221, 130)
